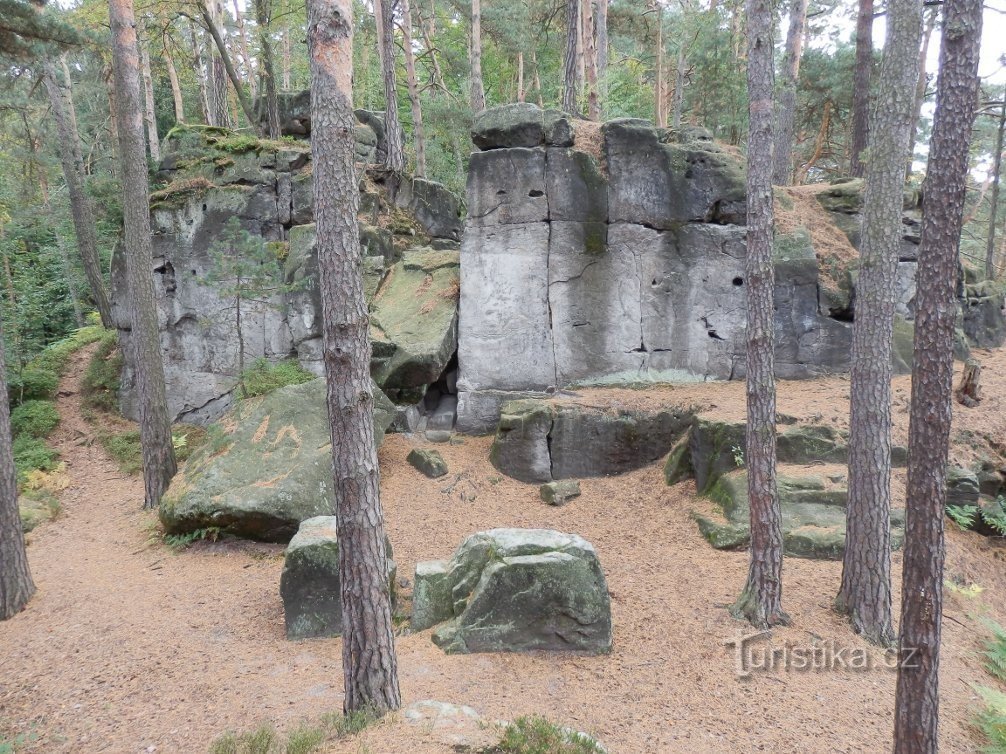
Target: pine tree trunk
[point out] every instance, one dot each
(263, 18)
(659, 111)
(429, 30)
(478, 93)
(149, 110)
(969, 389)
(370, 667)
(246, 58)
(80, 202)
(861, 86)
(865, 593)
(521, 94)
(394, 158)
(176, 89)
(537, 77)
(215, 74)
(916, 714)
(287, 59)
(113, 120)
(155, 426)
(761, 601)
(418, 133)
(920, 86)
(997, 157)
(224, 60)
(16, 586)
(569, 92)
(590, 57)
(201, 75)
(601, 44)
(786, 105)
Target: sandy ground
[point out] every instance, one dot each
(128, 647)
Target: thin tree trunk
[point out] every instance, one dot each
(239, 21)
(215, 74)
(71, 109)
(263, 19)
(601, 42)
(521, 94)
(786, 105)
(990, 241)
(429, 29)
(418, 133)
(590, 56)
(819, 142)
(537, 77)
(80, 203)
(761, 601)
(370, 666)
(225, 60)
(865, 593)
(659, 111)
(64, 263)
(176, 89)
(149, 110)
(916, 713)
(16, 585)
(113, 120)
(394, 158)
(861, 86)
(478, 92)
(569, 90)
(286, 59)
(920, 86)
(155, 425)
(678, 100)
(201, 75)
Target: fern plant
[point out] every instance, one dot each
(995, 651)
(963, 515)
(991, 721)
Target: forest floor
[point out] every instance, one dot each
(131, 647)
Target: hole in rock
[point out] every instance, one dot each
(535, 193)
(738, 281)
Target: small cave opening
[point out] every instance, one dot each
(738, 281)
(535, 193)
(714, 335)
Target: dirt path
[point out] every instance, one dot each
(130, 648)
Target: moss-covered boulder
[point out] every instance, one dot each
(266, 467)
(516, 590)
(428, 462)
(521, 124)
(414, 319)
(310, 584)
(813, 515)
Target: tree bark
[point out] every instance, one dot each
(861, 86)
(537, 77)
(225, 60)
(865, 593)
(920, 86)
(569, 92)
(990, 240)
(678, 100)
(590, 58)
(969, 390)
(155, 426)
(16, 585)
(429, 30)
(80, 202)
(216, 75)
(418, 133)
(149, 110)
(369, 663)
(659, 111)
(246, 58)
(916, 712)
(169, 62)
(521, 94)
(263, 19)
(287, 59)
(394, 158)
(761, 601)
(601, 42)
(786, 106)
(478, 92)
(201, 75)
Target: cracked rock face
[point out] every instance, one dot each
(633, 272)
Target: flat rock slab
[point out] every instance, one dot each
(561, 492)
(428, 462)
(516, 590)
(266, 467)
(813, 515)
(541, 440)
(310, 584)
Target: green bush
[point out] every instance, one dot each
(34, 418)
(991, 721)
(37, 507)
(31, 453)
(100, 386)
(32, 384)
(536, 735)
(263, 377)
(124, 448)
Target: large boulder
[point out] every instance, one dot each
(516, 590)
(266, 467)
(310, 584)
(521, 124)
(984, 318)
(541, 440)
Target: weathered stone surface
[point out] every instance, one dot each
(520, 124)
(514, 590)
(428, 462)
(310, 584)
(813, 516)
(561, 492)
(433, 205)
(455, 725)
(962, 486)
(984, 320)
(266, 467)
(541, 440)
(506, 187)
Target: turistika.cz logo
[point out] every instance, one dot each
(821, 656)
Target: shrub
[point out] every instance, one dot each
(536, 735)
(32, 384)
(37, 507)
(34, 418)
(100, 386)
(124, 448)
(263, 377)
(31, 453)
(991, 721)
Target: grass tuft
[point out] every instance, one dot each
(263, 377)
(534, 734)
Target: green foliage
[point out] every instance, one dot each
(100, 386)
(341, 726)
(261, 741)
(963, 515)
(31, 453)
(536, 735)
(179, 542)
(34, 418)
(36, 507)
(995, 650)
(124, 449)
(32, 385)
(304, 739)
(991, 721)
(264, 376)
